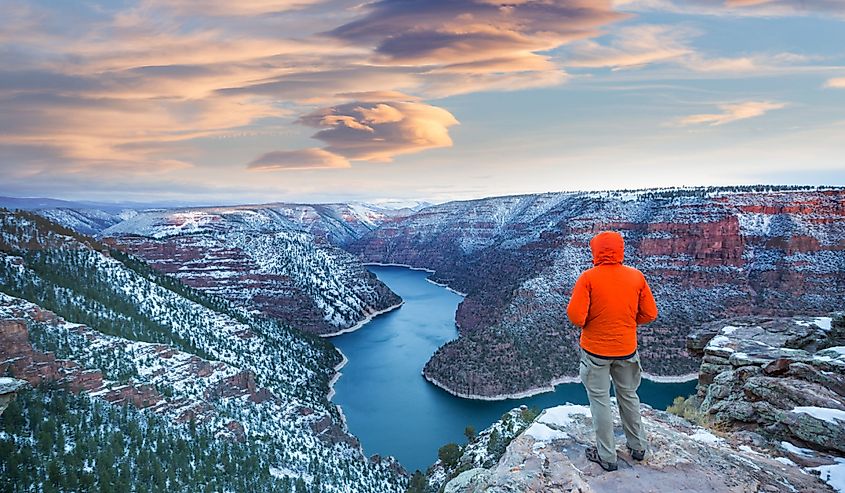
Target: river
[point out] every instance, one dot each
(394, 411)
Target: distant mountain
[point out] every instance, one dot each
(230, 400)
(278, 259)
(707, 253)
(86, 220)
(33, 203)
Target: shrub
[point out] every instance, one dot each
(687, 408)
(449, 454)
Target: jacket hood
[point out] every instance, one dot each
(608, 247)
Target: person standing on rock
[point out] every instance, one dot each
(608, 302)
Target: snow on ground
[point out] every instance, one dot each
(543, 433)
(284, 472)
(562, 415)
(729, 329)
(834, 416)
(833, 474)
(755, 224)
(9, 384)
(785, 461)
(719, 341)
(704, 436)
(820, 322)
(803, 452)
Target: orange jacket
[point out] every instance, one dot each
(610, 300)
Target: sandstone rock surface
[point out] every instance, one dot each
(549, 457)
(781, 377)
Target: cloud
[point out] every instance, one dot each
(731, 112)
(327, 85)
(237, 8)
(125, 92)
(632, 47)
(379, 131)
(836, 83)
(472, 45)
(311, 158)
(648, 44)
(762, 8)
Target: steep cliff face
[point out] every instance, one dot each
(770, 399)
(276, 260)
(707, 253)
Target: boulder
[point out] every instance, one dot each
(759, 373)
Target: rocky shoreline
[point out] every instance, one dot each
(550, 388)
(502, 397)
(365, 321)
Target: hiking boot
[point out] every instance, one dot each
(593, 456)
(637, 455)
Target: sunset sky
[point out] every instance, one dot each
(320, 100)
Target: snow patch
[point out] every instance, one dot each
(834, 416)
(704, 436)
(785, 461)
(820, 322)
(562, 415)
(719, 341)
(803, 452)
(543, 433)
(729, 329)
(823, 323)
(284, 472)
(755, 224)
(833, 474)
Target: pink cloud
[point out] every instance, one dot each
(301, 159)
(732, 112)
(379, 131)
(836, 83)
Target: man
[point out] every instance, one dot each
(608, 302)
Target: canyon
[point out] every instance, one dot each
(707, 253)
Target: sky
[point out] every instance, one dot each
(199, 101)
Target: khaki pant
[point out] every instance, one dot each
(596, 374)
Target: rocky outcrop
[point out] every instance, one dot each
(781, 377)
(770, 398)
(8, 388)
(549, 457)
(707, 253)
(19, 358)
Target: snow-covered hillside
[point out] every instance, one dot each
(75, 313)
(275, 260)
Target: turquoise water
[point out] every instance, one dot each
(393, 410)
